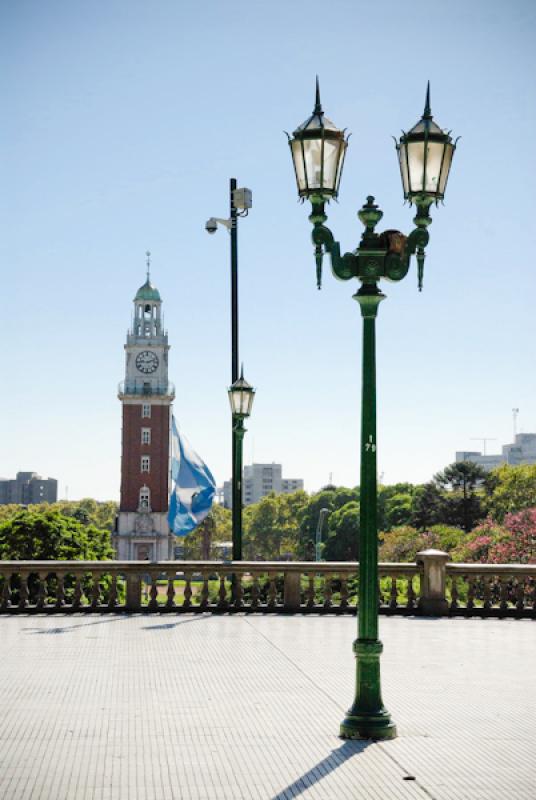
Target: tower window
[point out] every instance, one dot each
(146, 463)
(146, 436)
(146, 410)
(145, 497)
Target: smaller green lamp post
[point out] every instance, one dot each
(425, 154)
(241, 395)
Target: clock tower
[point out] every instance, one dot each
(146, 396)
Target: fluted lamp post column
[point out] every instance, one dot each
(425, 153)
(241, 396)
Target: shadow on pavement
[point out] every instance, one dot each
(168, 625)
(69, 628)
(323, 768)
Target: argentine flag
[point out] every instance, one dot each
(193, 487)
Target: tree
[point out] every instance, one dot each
(49, 535)
(330, 498)
(342, 543)
(511, 489)
(461, 505)
(427, 506)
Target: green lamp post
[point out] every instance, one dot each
(241, 396)
(425, 153)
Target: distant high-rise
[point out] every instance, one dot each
(260, 480)
(522, 451)
(28, 488)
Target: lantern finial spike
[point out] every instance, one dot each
(427, 110)
(242, 371)
(318, 105)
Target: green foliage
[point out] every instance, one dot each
(511, 489)
(342, 543)
(48, 535)
(461, 504)
(271, 526)
(427, 506)
(330, 498)
(402, 544)
(86, 511)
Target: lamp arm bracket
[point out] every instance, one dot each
(325, 243)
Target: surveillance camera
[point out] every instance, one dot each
(211, 226)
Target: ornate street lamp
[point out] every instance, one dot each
(241, 395)
(425, 155)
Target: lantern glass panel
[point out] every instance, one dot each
(416, 165)
(297, 155)
(312, 149)
(249, 402)
(331, 161)
(433, 166)
(341, 162)
(403, 158)
(449, 149)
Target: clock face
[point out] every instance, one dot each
(147, 362)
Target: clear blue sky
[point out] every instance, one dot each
(123, 122)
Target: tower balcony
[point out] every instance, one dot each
(145, 389)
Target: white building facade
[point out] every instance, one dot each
(522, 451)
(260, 480)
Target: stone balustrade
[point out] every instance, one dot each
(430, 586)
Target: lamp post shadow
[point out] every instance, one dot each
(319, 771)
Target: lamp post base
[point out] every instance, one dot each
(368, 726)
(368, 718)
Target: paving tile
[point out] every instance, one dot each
(247, 707)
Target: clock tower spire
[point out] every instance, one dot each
(146, 396)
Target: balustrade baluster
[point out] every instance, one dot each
(272, 591)
(411, 593)
(187, 590)
(344, 592)
(112, 596)
(487, 593)
(170, 592)
(238, 590)
(520, 594)
(255, 592)
(328, 591)
(470, 591)
(532, 582)
(23, 591)
(60, 590)
(223, 604)
(310, 592)
(153, 602)
(95, 591)
(393, 602)
(454, 594)
(204, 591)
(77, 594)
(6, 594)
(41, 590)
(503, 584)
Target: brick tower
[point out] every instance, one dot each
(146, 396)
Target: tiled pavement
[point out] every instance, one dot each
(242, 707)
